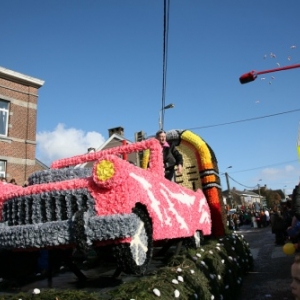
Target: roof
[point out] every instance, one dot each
(242, 193)
(20, 78)
(109, 143)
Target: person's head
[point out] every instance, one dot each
(295, 272)
(161, 136)
(13, 181)
(3, 179)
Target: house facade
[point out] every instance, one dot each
(18, 116)
(243, 199)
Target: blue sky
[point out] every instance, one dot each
(102, 66)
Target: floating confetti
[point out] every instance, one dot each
(293, 47)
(289, 57)
(272, 55)
(278, 64)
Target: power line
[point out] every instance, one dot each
(165, 58)
(266, 166)
(248, 187)
(245, 120)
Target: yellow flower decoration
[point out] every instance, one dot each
(145, 160)
(105, 170)
(201, 147)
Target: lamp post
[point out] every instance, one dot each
(160, 121)
(258, 187)
(284, 192)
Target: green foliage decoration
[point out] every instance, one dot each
(213, 271)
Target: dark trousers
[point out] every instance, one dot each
(169, 174)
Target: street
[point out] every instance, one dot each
(271, 276)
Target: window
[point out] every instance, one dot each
(3, 117)
(2, 168)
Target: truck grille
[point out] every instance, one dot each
(47, 207)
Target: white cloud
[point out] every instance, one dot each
(65, 142)
(279, 173)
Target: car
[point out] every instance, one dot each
(114, 202)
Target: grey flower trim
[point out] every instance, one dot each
(55, 175)
(35, 236)
(112, 227)
(83, 231)
(47, 207)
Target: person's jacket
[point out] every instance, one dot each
(171, 157)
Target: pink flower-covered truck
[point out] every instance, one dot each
(114, 202)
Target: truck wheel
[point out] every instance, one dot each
(134, 257)
(195, 241)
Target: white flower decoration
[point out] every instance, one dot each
(180, 278)
(156, 292)
(176, 294)
(192, 271)
(179, 270)
(175, 281)
(36, 292)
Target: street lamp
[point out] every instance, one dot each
(160, 121)
(252, 75)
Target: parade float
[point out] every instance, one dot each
(100, 199)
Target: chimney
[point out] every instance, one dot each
(118, 130)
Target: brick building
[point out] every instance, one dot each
(18, 115)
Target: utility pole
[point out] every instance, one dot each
(228, 188)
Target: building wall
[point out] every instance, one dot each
(18, 148)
